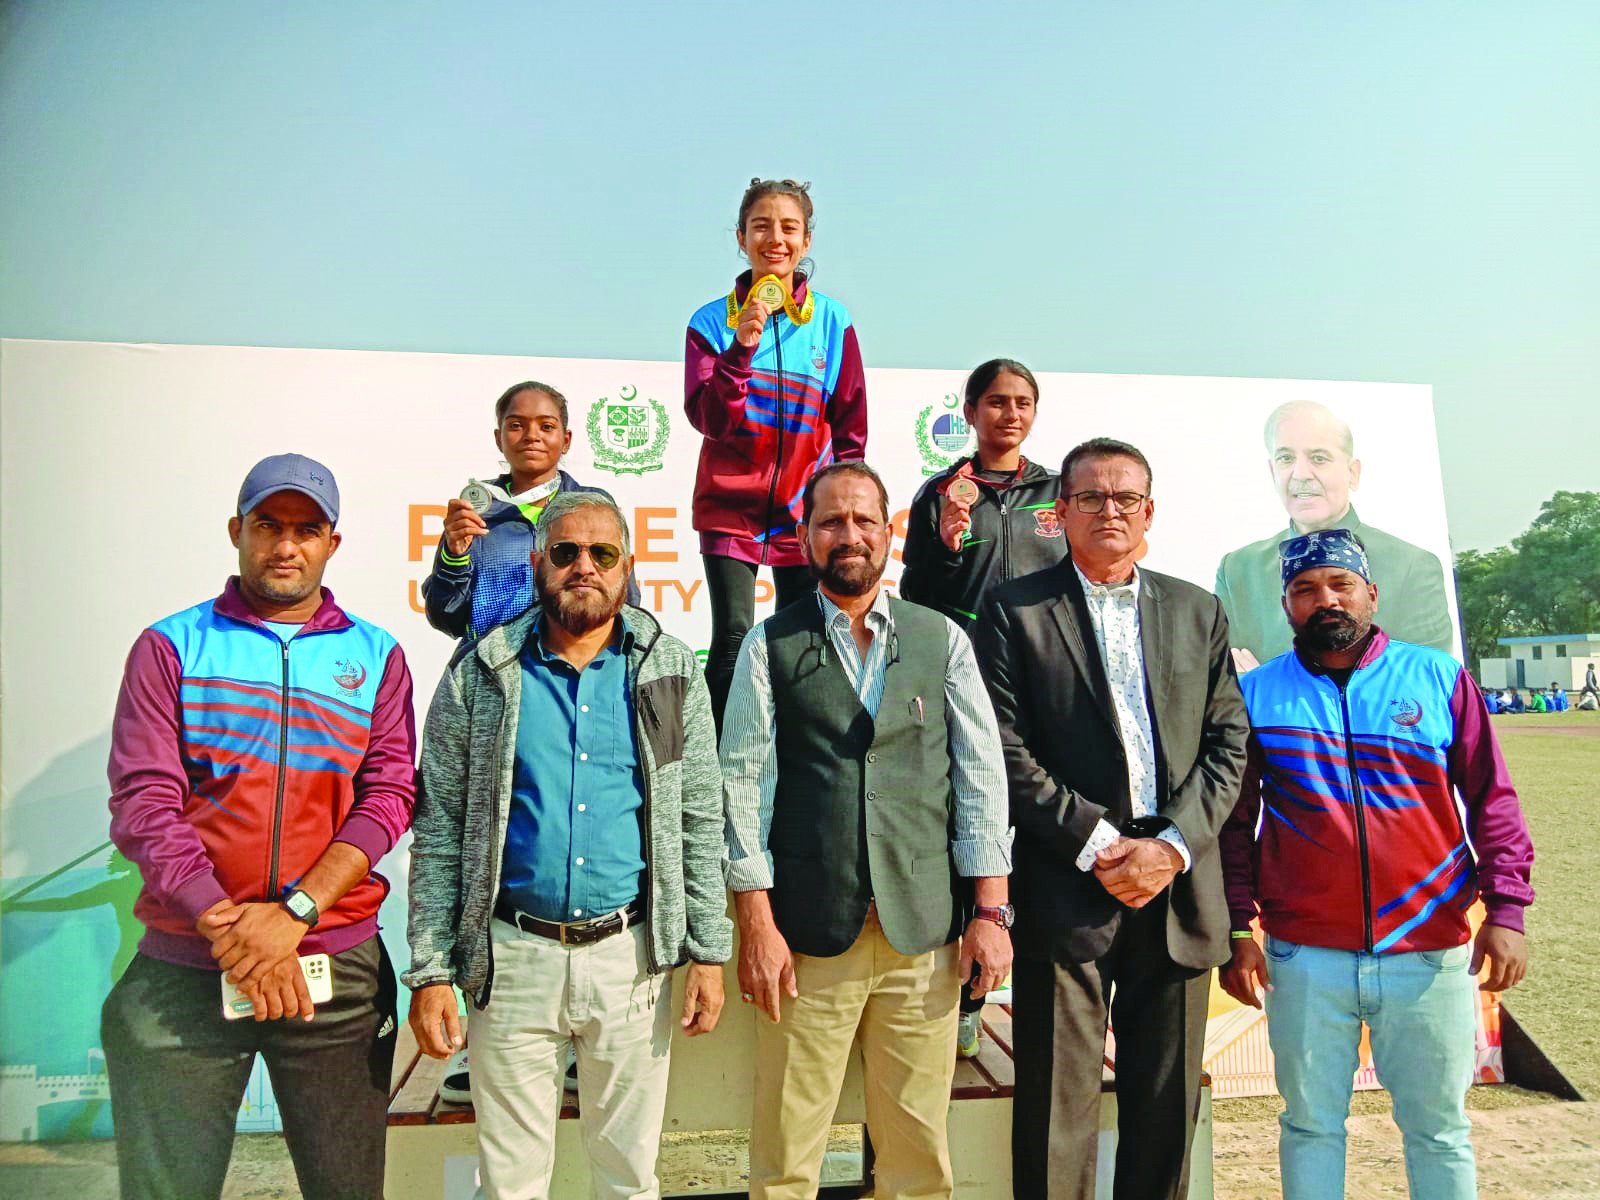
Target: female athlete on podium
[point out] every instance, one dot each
(773, 380)
(481, 572)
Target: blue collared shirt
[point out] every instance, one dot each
(574, 847)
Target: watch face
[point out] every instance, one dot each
(302, 906)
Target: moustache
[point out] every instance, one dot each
(861, 549)
(1330, 615)
(1300, 490)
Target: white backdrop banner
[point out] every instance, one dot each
(121, 465)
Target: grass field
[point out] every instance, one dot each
(1555, 764)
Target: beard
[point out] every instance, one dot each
(1331, 630)
(580, 610)
(846, 575)
(281, 591)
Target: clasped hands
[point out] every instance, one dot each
(1137, 870)
(255, 944)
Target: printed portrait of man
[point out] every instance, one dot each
(1312, 461)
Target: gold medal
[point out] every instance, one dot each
(962, 490)
(770, 291)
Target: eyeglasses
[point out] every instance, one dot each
(603, 555)
(1093, 502)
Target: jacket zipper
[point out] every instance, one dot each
(1359, 804)
(283, 770)
(1005, 540)
(644, 777)
(777, 466)
(498, 797)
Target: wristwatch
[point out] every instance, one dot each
(302, 907)
(1005, 916)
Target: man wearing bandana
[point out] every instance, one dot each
(1363, 871)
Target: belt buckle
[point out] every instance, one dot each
(563, 928)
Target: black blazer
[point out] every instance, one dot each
(1065, 762)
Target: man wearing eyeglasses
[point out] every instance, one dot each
(1124, 736)
(567, 857)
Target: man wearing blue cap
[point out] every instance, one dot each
(261, 764)
(1363, 872)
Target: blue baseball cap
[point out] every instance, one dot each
(1323, 548)
(291, 473)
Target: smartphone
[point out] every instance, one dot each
(319, 982)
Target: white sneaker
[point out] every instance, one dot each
(456, 1085)
(969, 1029)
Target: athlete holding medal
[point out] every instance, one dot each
(481, 571)
(773, 380)
(986, 519)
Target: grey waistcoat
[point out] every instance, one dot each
(863, 806)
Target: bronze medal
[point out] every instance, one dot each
(962, 490)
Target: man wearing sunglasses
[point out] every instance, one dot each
(567, 857)
(1124, 738)
(1372, 763)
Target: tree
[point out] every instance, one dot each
(1547, 581)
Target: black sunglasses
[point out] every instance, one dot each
(603, 554)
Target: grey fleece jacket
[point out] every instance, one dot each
(459, 829)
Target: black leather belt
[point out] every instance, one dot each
(571, 933)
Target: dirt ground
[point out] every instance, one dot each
(1529, 1146)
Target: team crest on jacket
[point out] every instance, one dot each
(819, 357)
(1046, 523)
(1405, 712)
(349, 676)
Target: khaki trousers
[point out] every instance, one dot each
(903, 1011)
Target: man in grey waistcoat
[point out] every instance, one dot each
(862, 778)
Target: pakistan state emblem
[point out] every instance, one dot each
(628, 435)
(942, 437)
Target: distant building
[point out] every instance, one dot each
(1537, 662)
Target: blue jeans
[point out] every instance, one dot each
(1421, 1009)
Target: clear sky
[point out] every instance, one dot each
(1343, 190)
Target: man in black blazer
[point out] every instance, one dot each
(1124, 737)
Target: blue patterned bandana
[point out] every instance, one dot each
(1323, 548)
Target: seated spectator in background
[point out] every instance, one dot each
(1311, 458)
(1491, 701)
(1587, 701)
(1536, 701)
(1556, 701)
(1512, 702)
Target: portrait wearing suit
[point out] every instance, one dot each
(1123, 732)
(1311, 455)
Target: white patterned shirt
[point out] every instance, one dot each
(1114, 613)
(981, 843)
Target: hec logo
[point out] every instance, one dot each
(1407, 713)
(349, 676)
(942, 437)
(628, 436)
